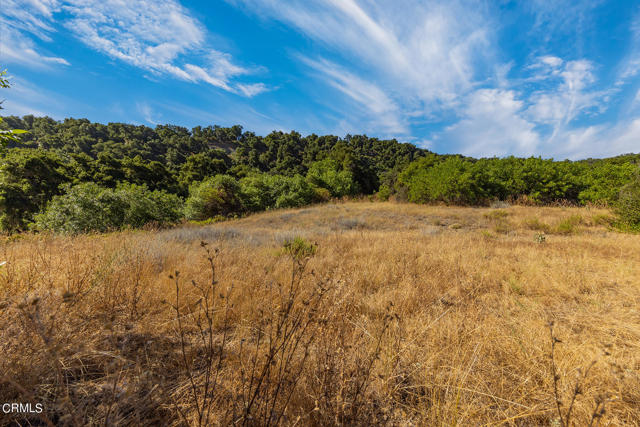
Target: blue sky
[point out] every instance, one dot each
(556, 78)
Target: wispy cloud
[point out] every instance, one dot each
(601, 140)
(392, 64)
(19, 21)
(382, 112)
(162, 38)
(425, 51)
(25, 97)
(493, 123)
(416, 62)
(630, 67)
(147, 113)
(568, 93)
(17, 48)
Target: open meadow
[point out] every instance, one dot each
(353, 313)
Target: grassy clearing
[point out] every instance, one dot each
(380, 313)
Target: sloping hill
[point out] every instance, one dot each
(403, 314)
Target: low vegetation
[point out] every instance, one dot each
(337, 314)
(226, 172)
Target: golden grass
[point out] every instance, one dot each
(406, 315)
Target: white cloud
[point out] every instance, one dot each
(27, 98)
(251, 90)
(379, 111)
(18, 49)
(493, 123)
(554, 17)
(160, 37)
(155, 36)
(572, 95)
(32, 16)
(425, 60)
(147, 113)
(18, 22)
(552, 61)
(630, 67)
(426, 52)
(601, 141)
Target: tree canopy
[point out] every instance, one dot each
(226, 171)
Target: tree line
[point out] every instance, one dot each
(76, 176)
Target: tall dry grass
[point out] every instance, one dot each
(401, 315)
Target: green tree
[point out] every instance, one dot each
(454, 180)
(328, 174)
(89, 207)
(201, 165)
(7, 135)
(218, 195)
(628, 205)
(28, 179)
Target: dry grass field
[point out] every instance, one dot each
(402, 315)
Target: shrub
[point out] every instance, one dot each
(144, 206)
(384, 193)
(84, 207)
(299, 249)
(89, 207)
(453, 181)
(263, 191)
(293, 192)
(628, 206)
(536, 224)
(568, 225)
(218, 195)
(327, 174)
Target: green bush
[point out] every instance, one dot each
(145, 207)
(568, 225)
(263, 191)
(628, 206)
(299, 249)
(384, 192)
(328, 174)
(217, 195)
(536, 224)
(29, 178)
(454, 181)
(88, 207)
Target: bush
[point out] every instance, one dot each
(294, 192)
(218, 195)
(568, 225)
(89, 207)
(628, 206)
(28, 180)
(328, 174)
(384, 193)
(453, 181)
(144, 206)
(263, 191)
(536, 224)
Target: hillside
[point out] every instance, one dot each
(403, 314)
(122, 175)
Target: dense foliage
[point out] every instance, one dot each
(213, 171)
(89, 207)
(628, 207)
(457, 180)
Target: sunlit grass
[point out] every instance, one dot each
(429, 316)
